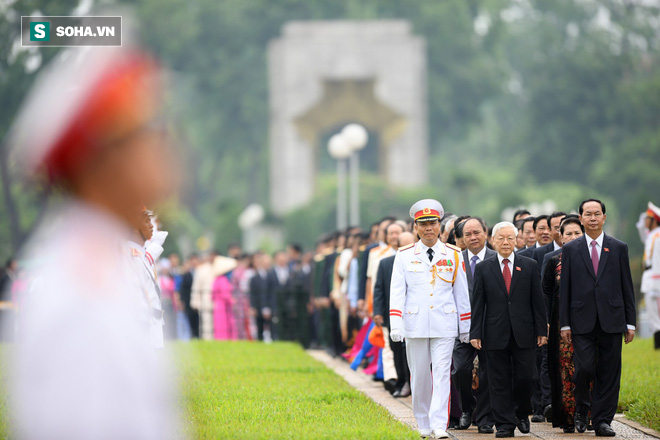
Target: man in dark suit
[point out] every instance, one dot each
(542, 234)
(261, 302)
(553, 222)
(549, 255)
(185, 291)
(382, 316)
(474, 235)
(596, 307)
(508, 322)
(280, 292)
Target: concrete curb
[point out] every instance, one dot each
(401, 409)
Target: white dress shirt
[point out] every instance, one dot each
(501, 259)
(481, 255)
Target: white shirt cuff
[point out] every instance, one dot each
(564, 328)
(631, 327)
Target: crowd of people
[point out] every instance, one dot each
(352, 283)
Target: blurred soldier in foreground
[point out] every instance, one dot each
(84, 367)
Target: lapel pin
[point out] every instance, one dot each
(606, 249)
(518, 269)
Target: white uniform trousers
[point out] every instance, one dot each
(653, 310)
(430, 390)
(389, 370)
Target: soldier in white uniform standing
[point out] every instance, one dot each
(651, 276)
(147, 279)
(430, 308)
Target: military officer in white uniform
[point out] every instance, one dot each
(430, 307)
(147, 280)
(651, 276)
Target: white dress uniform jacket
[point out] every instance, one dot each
(145, 271)
(429, 299)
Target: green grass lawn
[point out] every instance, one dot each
(640, 383)
(252, 391)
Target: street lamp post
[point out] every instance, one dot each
(357, 137)
(340, 150)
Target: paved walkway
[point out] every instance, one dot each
(401, 409)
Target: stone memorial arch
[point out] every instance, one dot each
(325, 74)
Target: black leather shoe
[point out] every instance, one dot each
(604, 430)
(465, 421)
(523, 426)
(453, 423)
(580, 422)
(538, 418)
(390, 385)
(485, 429)
(502, 433)
(569, 430)
(547, 413)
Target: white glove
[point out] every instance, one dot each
(159, 237)
(396, 335)
(464, 338)
(641, 227)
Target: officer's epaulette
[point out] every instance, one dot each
(362, 248)
(451, 246)
(408, 246)
(319, 257)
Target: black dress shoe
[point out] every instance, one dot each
(547, 413)
(604, 430)
(390, 385)
(569, 430)
(465, 421)
(538, 418)
(485, 429)
(580, 422)
(453, 423)
(523, 426)
(502, 433)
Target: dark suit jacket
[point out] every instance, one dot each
(495, 313)
(540, 252)
(489, 254)
(607, 296)
(527, 252)
(260, 293)
(547, 258)
(382, 289)
(362, 270)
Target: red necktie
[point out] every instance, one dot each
(507, 275)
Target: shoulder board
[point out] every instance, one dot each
(451, 246)
(406, 247)
(362, 248)
(319, 257)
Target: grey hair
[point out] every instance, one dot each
(501, 225)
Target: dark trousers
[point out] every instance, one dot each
(597, 357)
(193, 319)
(510, 394)
(542, 392)
(400, 363)
(461, 375)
